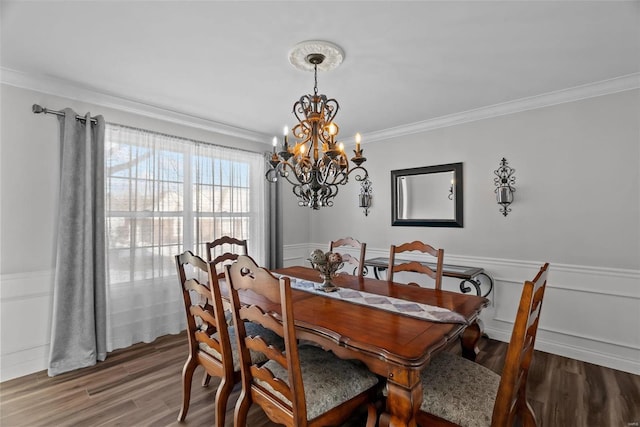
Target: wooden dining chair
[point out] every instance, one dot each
(458, 392)
(211, 342)
(347, 258)
(302, 386)
(415, 266)
(222, 251)
(225, 250)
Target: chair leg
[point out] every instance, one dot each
(206, 379)
(242, 408)
(528, 416)
(372, 415)
(187, 378)
(222, 397)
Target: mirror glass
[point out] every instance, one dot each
(429, 196)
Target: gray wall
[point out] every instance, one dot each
(577, 186)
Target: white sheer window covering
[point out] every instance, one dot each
(164, 195)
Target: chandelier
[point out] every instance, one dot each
(316, 164)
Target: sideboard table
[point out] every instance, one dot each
(469, 275)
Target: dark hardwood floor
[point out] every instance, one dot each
(141, 386)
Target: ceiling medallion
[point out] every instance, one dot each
(316, 164)
(333, 55)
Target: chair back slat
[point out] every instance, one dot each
(511, 397)
(263, 374)
(204, 338)
(415, 267)
(204, 314)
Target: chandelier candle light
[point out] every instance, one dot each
(316, 164)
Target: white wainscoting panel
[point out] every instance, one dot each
(298, 254)
(589, 313)
(25, 307)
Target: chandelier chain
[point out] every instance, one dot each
(315, 79)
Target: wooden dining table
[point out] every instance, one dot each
(393, 345)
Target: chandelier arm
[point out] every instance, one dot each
(357, 176)
(336, 175)
(330, 193)
(281, 170)
(271, 175)
(300, 109)
(325, 169)
(340, 177)
(302, 171)
(331, 108)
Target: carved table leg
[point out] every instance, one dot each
(469, 340)
(402, 405)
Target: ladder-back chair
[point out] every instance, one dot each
(209, 343)
(458, 392)
(302, 386)
(415, 266)
(212, 343)
(225, 250)
(347, 258)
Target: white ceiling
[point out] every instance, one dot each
(405, 62)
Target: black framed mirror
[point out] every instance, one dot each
(429, 196)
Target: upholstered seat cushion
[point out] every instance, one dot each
(459, 390)
(252, 329)
(328, 381)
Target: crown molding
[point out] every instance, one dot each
(605, 87)
(71, 90)
(67, 89)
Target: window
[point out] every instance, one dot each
(164, 195)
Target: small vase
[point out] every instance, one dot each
(327, 284)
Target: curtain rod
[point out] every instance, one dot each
(37, 109)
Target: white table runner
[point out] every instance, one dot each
(395, 305)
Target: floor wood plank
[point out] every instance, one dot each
(141, 386)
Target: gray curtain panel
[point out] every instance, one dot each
(79, 319)
(275, 225)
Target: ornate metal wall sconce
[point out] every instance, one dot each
(504, 186)
(365, 196)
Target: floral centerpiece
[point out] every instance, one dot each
(327, 264)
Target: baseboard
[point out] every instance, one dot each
(609, 359)
(25, 344)
(24, 362)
